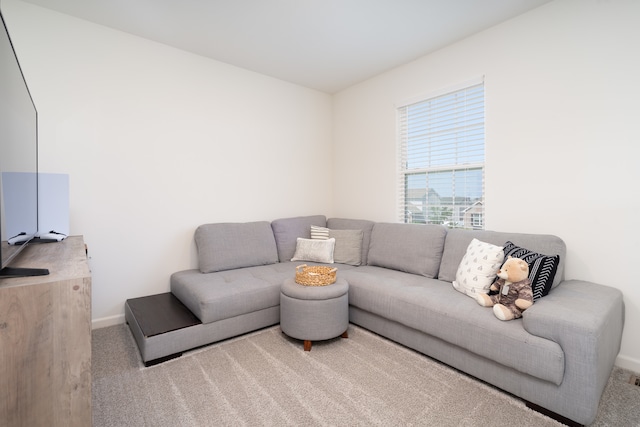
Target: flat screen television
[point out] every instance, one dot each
(18, 161)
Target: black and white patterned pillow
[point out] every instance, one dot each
(542, 268)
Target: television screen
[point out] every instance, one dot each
(18, 155)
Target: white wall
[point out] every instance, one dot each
(562, 90)
(157, 141)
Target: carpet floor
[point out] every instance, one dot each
(265, 378)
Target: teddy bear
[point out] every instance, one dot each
(513, 287)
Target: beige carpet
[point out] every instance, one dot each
(265, 378)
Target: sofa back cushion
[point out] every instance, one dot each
(412, 248)
(225, 246)
(457, 241)
(287, 230)
(355, 224)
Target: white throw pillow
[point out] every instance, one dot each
(478, 268)
(314, 250)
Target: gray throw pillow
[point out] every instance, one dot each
(348, 246)
(355, 224)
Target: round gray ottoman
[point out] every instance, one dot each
(314, 313)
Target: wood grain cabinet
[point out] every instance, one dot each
(45, 338)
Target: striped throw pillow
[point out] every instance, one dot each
(320, 233)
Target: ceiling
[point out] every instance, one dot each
(326, 45)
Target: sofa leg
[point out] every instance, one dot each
(307, 345)
(551, 414)
(345, 334)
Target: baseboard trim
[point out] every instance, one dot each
(107, 321)
(629, 363)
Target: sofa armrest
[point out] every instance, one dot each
(586, 319)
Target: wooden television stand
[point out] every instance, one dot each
(45, 338)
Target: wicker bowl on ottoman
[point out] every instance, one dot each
(314, 313)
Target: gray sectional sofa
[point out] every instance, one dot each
(557, 357)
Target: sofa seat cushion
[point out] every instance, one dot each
(224, 294)
(437, 309)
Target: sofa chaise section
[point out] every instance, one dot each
(234, 290)
(429, 306)
(236, 287)
(557, 357)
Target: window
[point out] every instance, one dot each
(441, 171)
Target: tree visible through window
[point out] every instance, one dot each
(441, 143)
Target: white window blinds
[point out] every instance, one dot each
(441, 159)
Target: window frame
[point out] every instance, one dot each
(458, 210)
